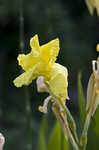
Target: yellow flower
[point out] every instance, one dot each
(92, 4)
(38, 62)
(41, 62)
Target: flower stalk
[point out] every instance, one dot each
(83, 139)
(71, 121)
(60, 111)
(62, 118)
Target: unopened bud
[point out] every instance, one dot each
(93, 89)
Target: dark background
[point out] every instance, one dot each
(78, 31)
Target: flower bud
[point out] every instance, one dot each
(93, 89)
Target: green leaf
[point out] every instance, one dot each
(72, 123)
(57, 140)
(42, 135)
(81, 100)
(96, 124)
(93, 137)
(65, 144)
(90, 90)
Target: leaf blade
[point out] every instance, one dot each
(81, 100)
(42, 135)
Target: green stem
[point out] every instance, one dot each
(62, 141)
(70, 118)
(83, 139)
(72, 124)
(27, 98)
(61, 117)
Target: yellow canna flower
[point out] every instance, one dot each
(38, 62)
(92, 4)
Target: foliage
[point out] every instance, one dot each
(81, 100)
(94, 128)
(56, 139)
(42, 135)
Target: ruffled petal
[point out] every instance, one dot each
(25, 78)
(34, 43)
(27, 61)
(58, 83)
(50, 51)
(40, 69)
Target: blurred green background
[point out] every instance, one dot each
(70, 21)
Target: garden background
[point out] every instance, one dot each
(78, 31)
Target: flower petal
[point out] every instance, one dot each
(25, 78)
(42, 57)
(58, 83)
(27, 61)
(40, 69)
(50, 51)
(34, 42)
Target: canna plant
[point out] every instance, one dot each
(51, 77)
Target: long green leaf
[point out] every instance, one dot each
(81, 100)
(93, 133)
(96, 125)
(42, 135)
(65, 144)
(55, 140)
